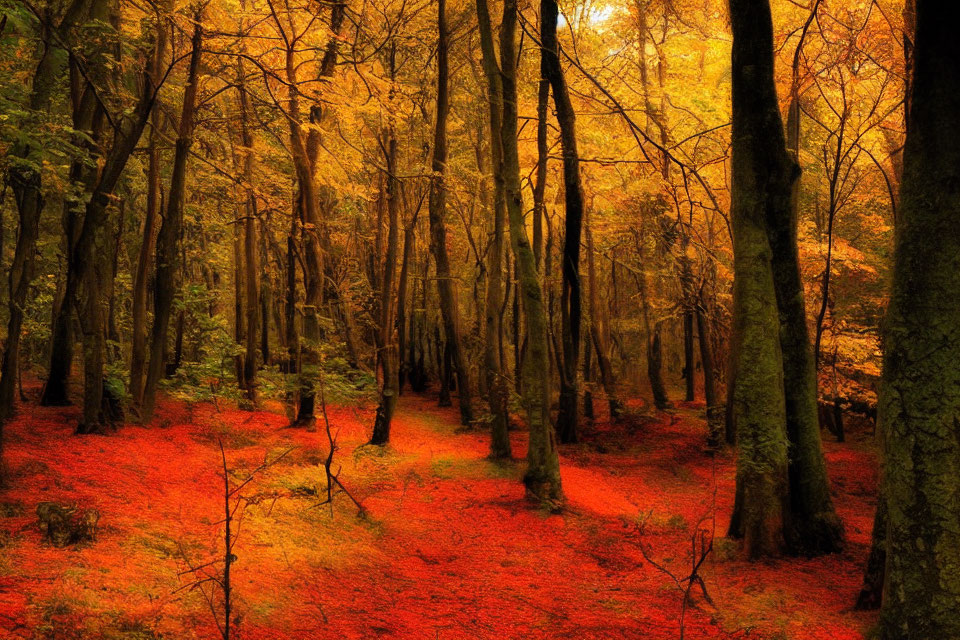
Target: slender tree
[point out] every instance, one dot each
(570, 305)
(168, 241)
(493, 352)
(542, 477)
(449, 308)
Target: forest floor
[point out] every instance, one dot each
(447, 549)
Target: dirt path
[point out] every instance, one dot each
(449, 549)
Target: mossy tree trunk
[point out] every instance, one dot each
(762, 177)
(919, 403)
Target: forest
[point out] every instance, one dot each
(484, 319)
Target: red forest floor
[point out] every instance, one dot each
(448, 548)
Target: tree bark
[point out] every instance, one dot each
(168, 240)
(570, 305)
(449, 308)
(762, 178)
(138, 321)
(814, 525)
(919, 398)
(26, 181)
(496, 375)
(387, 355)
(251, 292)
(542, 477)
(599, 332)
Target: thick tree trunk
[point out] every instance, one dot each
(570, 306)
(919, 394)
(81, 269)
(87, 117)
(871, 593)
(168, 240)
(26, 185)
(542, 477)
(815, 527)
(762, 178)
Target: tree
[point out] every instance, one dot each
(814, 525)
(919, 402)
(493, 360)
(542, 477)
(762, 180)
(26, 180)
(570, 306)
(388, 360)
(449, 309)
(168, 241)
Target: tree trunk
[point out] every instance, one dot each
(449, 308)
(28, 195)
(599, 332)
(762, 179)
(542, 477)
(251, 293)
(138, 344)
(387, 355)
(814, 526)
(715, 410)
(919, 399)
(871, 593)
(689, 359)
(239, 334)
(570, 306)
(26, 186)
(496, 375)
(402, 286)
(168, 240)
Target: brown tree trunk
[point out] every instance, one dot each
(542, 477)
(493, 360)
(570, 305)
(449, 308)
(763, 175)
(387, 356)
(168, 241)
(599, 332)
(138, 321)
(919, 397)
(28, 195)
